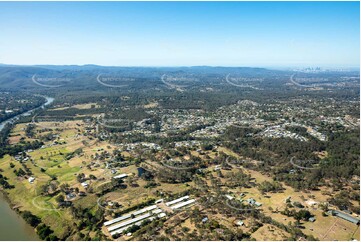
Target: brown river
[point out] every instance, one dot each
(12, 225)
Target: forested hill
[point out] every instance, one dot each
(13, 76)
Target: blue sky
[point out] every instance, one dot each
(267, 34)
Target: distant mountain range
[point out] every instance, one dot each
(16, 76)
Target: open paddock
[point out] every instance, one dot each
(269, 232)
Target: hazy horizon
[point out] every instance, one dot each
(323, 67)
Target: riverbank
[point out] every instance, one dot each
(12, 226)
(49, 100)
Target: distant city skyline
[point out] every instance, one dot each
(262, 34)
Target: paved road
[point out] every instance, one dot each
(298, 84)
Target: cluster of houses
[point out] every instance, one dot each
(316, 134)
(21, 158)
(278, 131)
(132, 146)
(179, 121)
(249, 201)
(209, 131)
(346, 215)
(242, 114)
(344, 121)
(85, 184)
(52, 144)
(253, 202)
(159, 210)
(187, 143)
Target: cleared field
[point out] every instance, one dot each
(137, 194)
(27, 196)
(151, 105)
(270, 232)
(332, 228)
(80, 106)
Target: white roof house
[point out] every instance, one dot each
(179, 205)
(161, 215)
(31, 179)
(205, 219)
(146, 209)
(176, 201)
(217, 167)
(120, 176)
(136, 219)
(240, 223)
